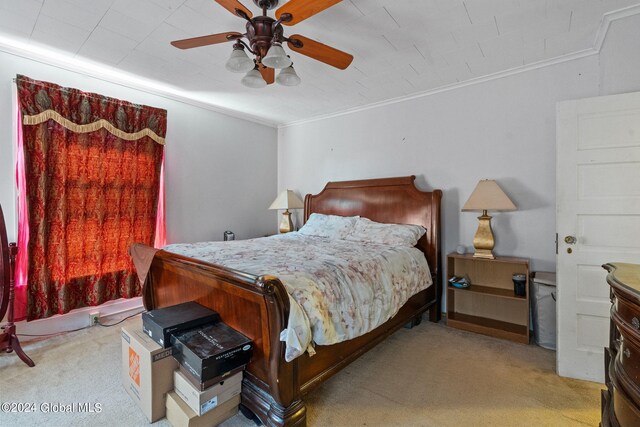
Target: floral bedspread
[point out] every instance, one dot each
(338, 289)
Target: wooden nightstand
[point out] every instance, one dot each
(489, 306)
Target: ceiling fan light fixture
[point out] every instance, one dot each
(263, 41)
(239, 61)
(288, 77)
(253, 79)
(276, 57)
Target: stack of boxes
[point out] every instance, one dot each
(209, 379)
(201, 384)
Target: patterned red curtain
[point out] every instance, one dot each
(92, 166)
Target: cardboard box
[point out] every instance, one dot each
(211, 351)
(147, 371)
(161, 323)
(180, 415)
(202, 386)
(202, 402)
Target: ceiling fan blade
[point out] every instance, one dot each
(232, 5)
(268, 74)
(303, 9)
(206, 40)
(319, 51)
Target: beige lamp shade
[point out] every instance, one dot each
(488, 196)
(287, 200)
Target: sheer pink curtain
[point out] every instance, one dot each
(20, 303)
(161, 233)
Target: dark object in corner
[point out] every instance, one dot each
(519, 284)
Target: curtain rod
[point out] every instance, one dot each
(96, 96)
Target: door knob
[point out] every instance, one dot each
(570, 240)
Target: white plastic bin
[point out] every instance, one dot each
(543, 308)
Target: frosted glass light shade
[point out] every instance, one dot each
(288, 77)
(239, 62)
(253, 79)
(488, 196)
(276, 57)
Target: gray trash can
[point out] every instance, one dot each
(543, 308)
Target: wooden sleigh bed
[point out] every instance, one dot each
(273, 389)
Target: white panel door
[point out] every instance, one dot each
(598, 221)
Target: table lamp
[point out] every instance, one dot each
(487, 196)
(286, 200)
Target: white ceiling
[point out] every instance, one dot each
(400, 47)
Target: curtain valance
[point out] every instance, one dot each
(83, 112)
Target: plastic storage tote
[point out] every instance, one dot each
(543, 308)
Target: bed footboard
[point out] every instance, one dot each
(257, 306)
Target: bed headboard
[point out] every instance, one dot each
(388, 200)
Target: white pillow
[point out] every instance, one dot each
(369, 231)
(330, 226)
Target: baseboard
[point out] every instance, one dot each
(109, 312)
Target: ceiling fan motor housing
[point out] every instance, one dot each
(266, 4)
(261, 32)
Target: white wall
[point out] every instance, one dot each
(502, 129)
(220, 170)
(620, 57)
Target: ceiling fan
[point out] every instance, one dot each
(265, 37)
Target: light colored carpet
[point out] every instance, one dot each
(430, 375)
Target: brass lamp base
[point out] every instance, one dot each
(483, 241)
(286, 225)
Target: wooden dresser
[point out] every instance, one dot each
(621, 399)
